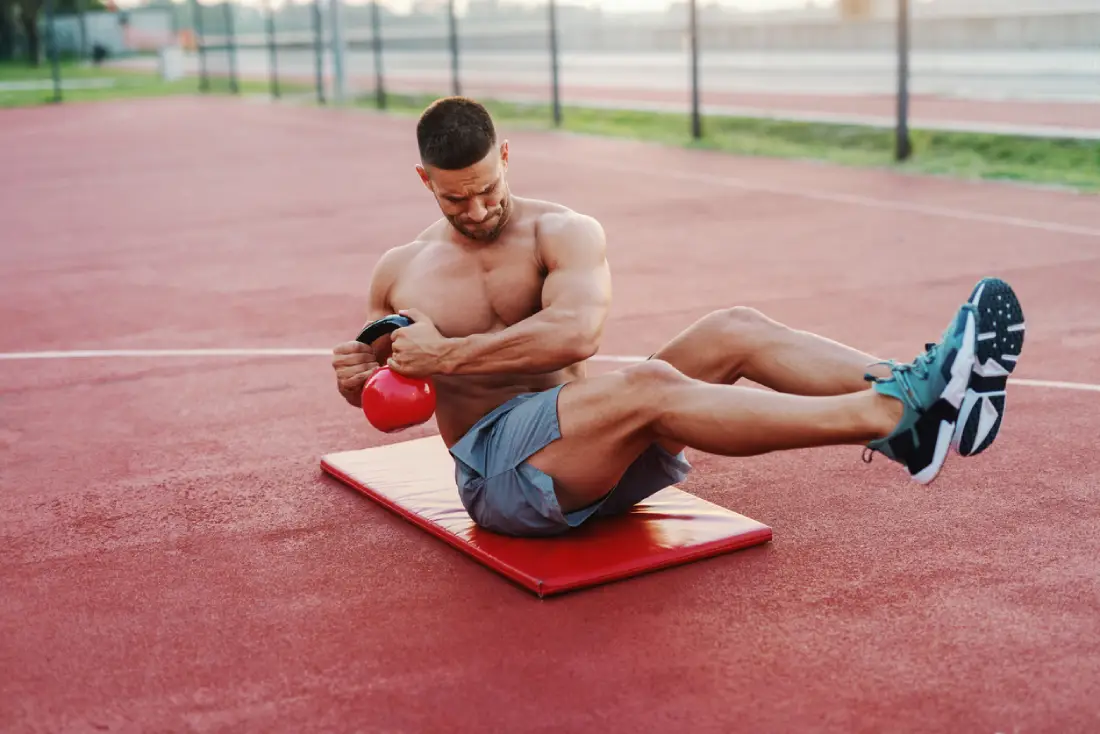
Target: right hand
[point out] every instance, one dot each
(354, 364)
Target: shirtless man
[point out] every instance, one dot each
(509, 296)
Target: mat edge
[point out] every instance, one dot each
(544, 588)
(713, 549)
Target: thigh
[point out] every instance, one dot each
(654, 470)
(604, 426)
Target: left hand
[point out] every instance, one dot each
(418, 350)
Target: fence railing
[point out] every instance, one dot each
(700, 62)
(426, 53)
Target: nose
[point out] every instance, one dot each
(478, 211)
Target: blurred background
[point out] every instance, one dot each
(1024, 68)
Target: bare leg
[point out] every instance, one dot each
(740, 342)
(727, 345)
(607, 421)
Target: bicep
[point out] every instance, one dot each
(578, 280)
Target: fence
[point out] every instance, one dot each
(63, 40)
(858, 62)
(841, 64)
(352, 51)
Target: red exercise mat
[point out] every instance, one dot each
(416, 479)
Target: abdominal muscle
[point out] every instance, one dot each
(463, 401)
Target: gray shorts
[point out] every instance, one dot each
(504, 494)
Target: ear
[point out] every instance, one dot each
(424, 177)
(504, 154)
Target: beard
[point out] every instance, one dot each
(485, 235)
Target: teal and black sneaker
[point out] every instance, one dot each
(1000, 342)
(932, 389)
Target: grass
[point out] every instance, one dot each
(117, 84)
(1073, 164)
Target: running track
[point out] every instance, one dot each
(174, 560)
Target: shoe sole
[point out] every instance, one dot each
(1001, 329)
(954, 393)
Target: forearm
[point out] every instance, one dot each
(548, 341)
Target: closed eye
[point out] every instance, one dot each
(459, 199)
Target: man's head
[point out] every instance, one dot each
(464, 166)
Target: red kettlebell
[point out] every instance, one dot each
(391, 401)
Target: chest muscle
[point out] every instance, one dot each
(465, 294)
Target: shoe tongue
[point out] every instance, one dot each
(898, 388)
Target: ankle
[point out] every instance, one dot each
(885, 415)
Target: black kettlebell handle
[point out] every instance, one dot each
(372, 332)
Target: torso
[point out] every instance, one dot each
(479, 289)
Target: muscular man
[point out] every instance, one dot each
(509, 297)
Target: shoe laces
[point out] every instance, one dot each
(903, 374)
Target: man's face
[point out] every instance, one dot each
(474, 200)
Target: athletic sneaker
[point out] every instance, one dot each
(1000, 342)
(932, 389)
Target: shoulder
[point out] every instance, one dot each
(394, 261)
(563, 233)
(396, 258)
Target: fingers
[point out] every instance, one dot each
(350, 381)
(351, 360)
(347, 372)
(355, 383)
(353, 363)
(352, 347)
(408, 368)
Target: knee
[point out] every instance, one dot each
(742, 324)
(653, 374)
(650, 385)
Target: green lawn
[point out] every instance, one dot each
(1066, 163)
(105, 83)
(1072, 164)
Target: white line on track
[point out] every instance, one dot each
(158, 353)
(120, 353)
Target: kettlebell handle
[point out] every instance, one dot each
(374, 331)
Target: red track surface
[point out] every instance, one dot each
(175, 561)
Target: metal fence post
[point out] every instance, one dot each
(696, 122)
(319, 50)
(51, 50)
(200, 45)
(272, 50)
(456, 86)
(231, 47)
(376, 44)
(339, 85)
(555, 82)
(904, 146)
(82, 16)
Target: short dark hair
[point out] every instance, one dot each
(454, 133)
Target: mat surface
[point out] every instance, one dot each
(416, 479)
